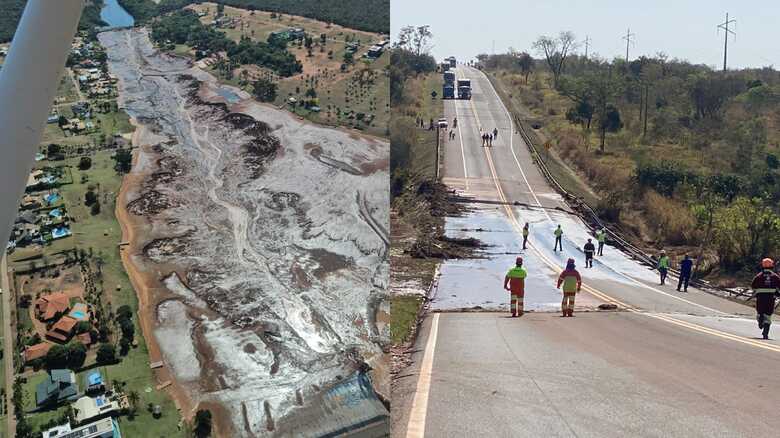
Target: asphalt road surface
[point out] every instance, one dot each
(666, 364)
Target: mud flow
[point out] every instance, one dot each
(268, 260)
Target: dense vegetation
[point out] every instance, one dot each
(12, 13)
(368, 15)
(184, 27)
(9, 19)
(680, 154)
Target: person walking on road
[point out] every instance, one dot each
(455, 122)
(514, 282)
(686, 266)
(525, 234)
(601, 236)
(495, 132)
(765, 286)
(484, 139)
(589, 249)
(558, 238)
(663, 266)
(490, 140)
(572, 282)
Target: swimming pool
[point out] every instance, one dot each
(78, 314)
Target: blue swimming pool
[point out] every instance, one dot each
(78, 314)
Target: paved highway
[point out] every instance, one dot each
(666, 364)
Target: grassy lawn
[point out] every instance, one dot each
(100, 234)
(403, 317)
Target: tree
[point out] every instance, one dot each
(415, 39)
(264, 90)
(95, 209)
(124, 160)
(77, 354)
(90, 197)
(53, 149)
(56, 357)
(203, 423)
(83, 327)
(526, 64)
(710, 91)
(744, 232)
(133, 398)
(555, 51)
(106, 354)
(85, 163)
(124, 312)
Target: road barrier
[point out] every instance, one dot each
(589, 215)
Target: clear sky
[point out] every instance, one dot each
(685, 29)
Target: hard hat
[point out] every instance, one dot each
(663, 251)
(767, 263)
(519, 260)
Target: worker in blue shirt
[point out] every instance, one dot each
(686, 266)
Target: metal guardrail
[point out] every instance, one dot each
(592, 218)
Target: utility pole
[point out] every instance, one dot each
(438, 139)
(587, 45)
(628, 37)
(725, 26)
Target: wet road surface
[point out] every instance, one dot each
(665, 364)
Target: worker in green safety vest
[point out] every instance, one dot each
(663, 266)
(514, 282)
(558, 238)
(601, 236)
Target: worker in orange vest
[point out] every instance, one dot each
(514, 282)
(572, 282)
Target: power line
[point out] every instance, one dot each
(629, 41)
(725, 26)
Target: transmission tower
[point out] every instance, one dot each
(629, 41)
(725, 27)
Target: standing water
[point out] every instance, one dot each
(115, 15)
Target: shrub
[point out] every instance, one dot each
(106, 354)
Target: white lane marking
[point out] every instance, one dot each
(462, 151)
(631, 279)
(416, 426)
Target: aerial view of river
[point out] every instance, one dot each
(258, 247)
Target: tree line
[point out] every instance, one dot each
(367, 15)
(12, 13)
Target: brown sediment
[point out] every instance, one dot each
(151, 292)
(380, 165)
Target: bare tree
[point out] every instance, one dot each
(555, 51)
(526, 64)
(415, 39)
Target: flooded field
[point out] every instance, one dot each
(260, 245)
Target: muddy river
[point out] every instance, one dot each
(260, 243)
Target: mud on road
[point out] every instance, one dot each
(260, 266)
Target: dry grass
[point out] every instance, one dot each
(669, 218)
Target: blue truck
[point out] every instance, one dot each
(448, 91)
